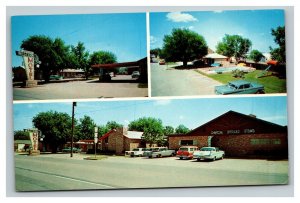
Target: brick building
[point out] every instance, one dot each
(116, 141)
(238, 135)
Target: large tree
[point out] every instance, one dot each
(102, 57)
(152, 128)
(42, 46)
(86, 128)
(279, 38)
(55, 126)
(234, 46)
(182, 129)
(256, 55)
(80, 58)
(184, 45)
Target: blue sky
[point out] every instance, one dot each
(255, 25)
(190, 112)
(123, 34)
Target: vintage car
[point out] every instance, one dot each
(186, 152)
(159, 152)
(55, 77)
(240, 87)
(135, 74)
(209, 153)
(135, 152)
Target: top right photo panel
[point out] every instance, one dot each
(220, 52)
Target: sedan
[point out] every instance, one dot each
(240, 87)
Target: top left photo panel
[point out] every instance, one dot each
(79, 56)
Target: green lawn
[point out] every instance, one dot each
(271, 83)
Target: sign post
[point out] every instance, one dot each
(28, 59)
(96, 140)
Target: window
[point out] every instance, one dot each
(186, 142)
(265, 141)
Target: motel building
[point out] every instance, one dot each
(238, 135)
(116, 141)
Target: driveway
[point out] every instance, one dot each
(118, 87)
(168, 81)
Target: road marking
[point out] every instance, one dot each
(69, 178)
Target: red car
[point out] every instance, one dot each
(186, 152)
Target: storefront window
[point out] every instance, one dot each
(265, 141)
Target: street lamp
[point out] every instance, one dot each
(96, 139)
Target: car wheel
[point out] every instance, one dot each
(214, 158)
(198, 159)
(180, 158)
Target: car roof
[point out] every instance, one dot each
(239, 82)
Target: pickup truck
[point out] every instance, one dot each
(159, 152)
(186, 152)
(135, 152)
(208, 153)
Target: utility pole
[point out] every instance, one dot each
(72, 135)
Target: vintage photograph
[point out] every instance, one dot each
(217, 52)
(151, 143)
(79, 56)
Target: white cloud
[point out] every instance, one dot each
(191, 27)
(153, 39)
(180, 17)
(162, 102)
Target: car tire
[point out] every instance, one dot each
(198, 159)
(214, 158)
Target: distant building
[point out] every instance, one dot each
(216, 58)
(238, 135)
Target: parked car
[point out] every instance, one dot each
(135, 152)
(55, 77)
(162, 62)
(209, 153)
(135, 74)
(240, 87)
(186, 152)
(68, 149)
(160, 152)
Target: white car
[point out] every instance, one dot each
(135, 152)
(208, 153)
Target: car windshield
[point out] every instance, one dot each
(135, 150)
(145, 149)
(206, 149)
(183, 149)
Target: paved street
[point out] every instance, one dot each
(167, 81)
(60, 172)
(124, 87)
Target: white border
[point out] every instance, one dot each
(244, 191)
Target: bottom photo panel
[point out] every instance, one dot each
(151, 143)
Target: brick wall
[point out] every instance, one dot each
(200, 141)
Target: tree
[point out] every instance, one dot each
(55, 126)
(110, 125)
(168, 130)
(156, 52)
(86, 128)
(234, 46)
(21, 135)
(279, 38)
(256, 55)
(80, 58)
(43, 47)
(184, 45)
(53, 55)
(102, 57)
(181, 129)
(152, 128)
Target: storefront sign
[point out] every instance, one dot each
(232, 132)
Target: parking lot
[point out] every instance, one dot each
(60, 172)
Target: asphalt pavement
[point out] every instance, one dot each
(60, 172)
(168, 81)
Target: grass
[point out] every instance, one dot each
(272, 84)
